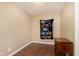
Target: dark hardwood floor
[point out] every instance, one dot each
(36, 49)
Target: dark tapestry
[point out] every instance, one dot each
(46, 30)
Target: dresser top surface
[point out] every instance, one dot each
(62, 40)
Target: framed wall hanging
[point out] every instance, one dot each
(46, 29)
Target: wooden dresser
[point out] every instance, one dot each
(63, 47)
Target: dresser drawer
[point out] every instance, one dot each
(63, 48)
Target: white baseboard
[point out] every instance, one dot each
(27, 45)
(42, 42)
(19, 49)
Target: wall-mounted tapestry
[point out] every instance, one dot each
(46, 29)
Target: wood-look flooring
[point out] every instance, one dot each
(36, 49)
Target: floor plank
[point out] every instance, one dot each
(36, 49)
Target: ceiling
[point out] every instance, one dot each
(38, 8)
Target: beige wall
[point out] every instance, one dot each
(15, 28)
(36, 26)
(67, 22)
